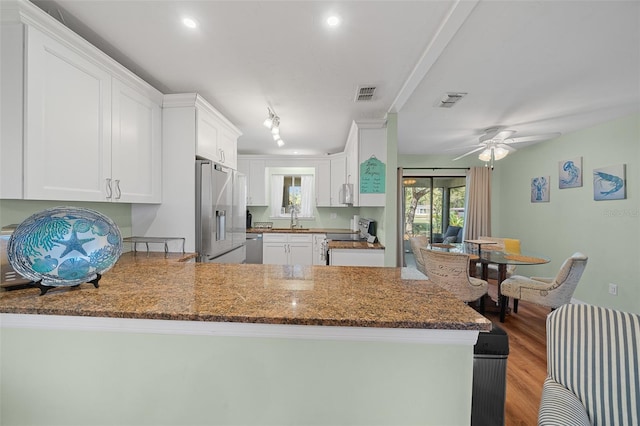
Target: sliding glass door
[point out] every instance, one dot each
(431, 205)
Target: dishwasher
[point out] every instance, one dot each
(254, 248)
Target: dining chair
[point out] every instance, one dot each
(550, 292)
(418, 242)
(510, 245)
(451, 272)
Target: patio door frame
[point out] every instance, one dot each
(430, 173)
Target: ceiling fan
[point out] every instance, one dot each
(496, 143)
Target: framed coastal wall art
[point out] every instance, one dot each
(570, 173)
(609, 183)
(540, 189)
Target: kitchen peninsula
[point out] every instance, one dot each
(166, 340)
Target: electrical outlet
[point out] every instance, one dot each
(613, 289)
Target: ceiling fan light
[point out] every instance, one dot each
(499, 153)
(275, 130)
(485, 155)
(280, 143)
(268, 122)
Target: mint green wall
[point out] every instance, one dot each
(15, 211)
(322, 217)
(606, 231)
(388, 226)
(52, 377)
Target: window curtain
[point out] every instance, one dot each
(477, 220)
(306, 202)
(277, 183)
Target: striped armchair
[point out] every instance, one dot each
(593, 376)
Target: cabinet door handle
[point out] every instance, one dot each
(224, 158)
(118, 192)
(108, 188)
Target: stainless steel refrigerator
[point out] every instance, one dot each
(220, 213)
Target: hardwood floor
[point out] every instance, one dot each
(526, 363)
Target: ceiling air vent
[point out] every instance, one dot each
(365, 93)
(450, 99)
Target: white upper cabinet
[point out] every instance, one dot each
(255, 170)
(367, 140)
(228, 148)
(257, 183)
(217, 137)
(67, 144)
(330, 176)
(208, 131)
(136, 147)
(323, 183)
(83, 128)
(338, 178)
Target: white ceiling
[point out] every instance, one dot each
(536, 67)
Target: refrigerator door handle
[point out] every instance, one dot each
(220, 225)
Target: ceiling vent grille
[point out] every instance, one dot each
(365, 93)
(450, 99)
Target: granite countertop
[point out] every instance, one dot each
(300, 231)
(155, 286)
(355, 245)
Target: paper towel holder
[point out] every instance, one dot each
(346, 193)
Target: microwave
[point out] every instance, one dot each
(9, 276)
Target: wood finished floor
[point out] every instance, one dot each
(526, 363)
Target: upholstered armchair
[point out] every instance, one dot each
(418, 242)
(549, 292)
(452, 235)
(451, 272)
(593, 376)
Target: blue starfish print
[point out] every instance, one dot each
(73, 243)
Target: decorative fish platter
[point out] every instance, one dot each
(65, 246)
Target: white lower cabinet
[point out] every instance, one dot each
(356, 257)
(287, 249)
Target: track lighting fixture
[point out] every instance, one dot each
(272, 122)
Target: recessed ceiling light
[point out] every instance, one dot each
(333, 21)
(189, 22)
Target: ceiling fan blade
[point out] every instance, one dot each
(469, 153)
(458, 148)
(544, 137)
(504, 134)
(507, 147)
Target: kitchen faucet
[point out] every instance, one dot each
(294, 213)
